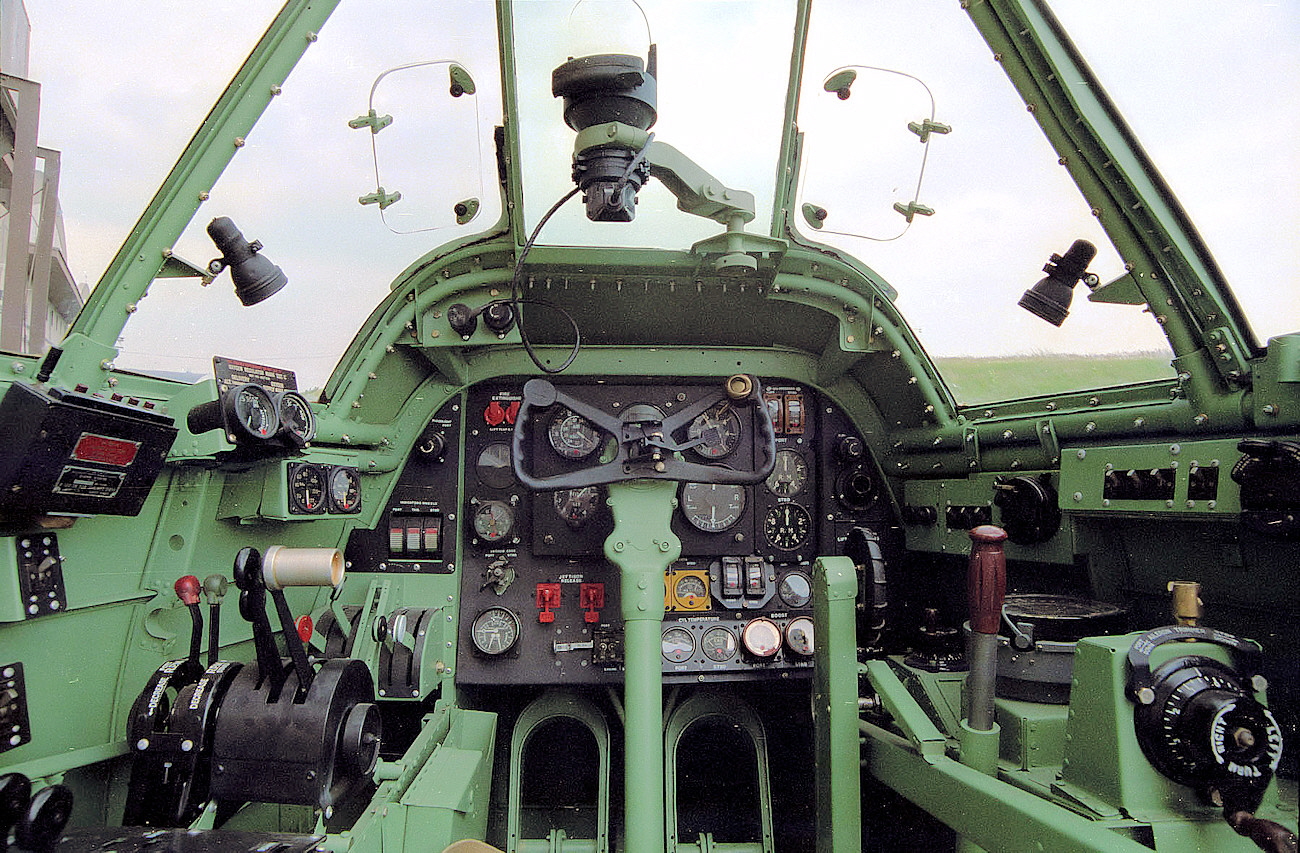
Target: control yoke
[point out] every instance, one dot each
(646, 446)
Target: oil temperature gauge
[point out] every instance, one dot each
(495, 631)
(678, 644)
(493, 521)
(344, 490)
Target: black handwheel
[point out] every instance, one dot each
(646, 447)
(38, 831)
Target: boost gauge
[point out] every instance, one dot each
(495, 631)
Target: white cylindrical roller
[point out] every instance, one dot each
(283, 567)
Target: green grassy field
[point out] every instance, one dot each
(986, 380)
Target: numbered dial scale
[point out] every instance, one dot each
(712, 507)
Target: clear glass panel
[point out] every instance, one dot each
(723, 67)
(1002, 206)
(1210, 89)
(295, 187)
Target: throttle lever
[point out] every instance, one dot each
(986, 587)
(187, 590)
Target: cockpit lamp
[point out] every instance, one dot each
(1050, 297)
(255, 277)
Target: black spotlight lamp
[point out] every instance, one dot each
(1050, 298)
(604, 89)
(255, 277)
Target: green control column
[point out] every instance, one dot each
(643, 546)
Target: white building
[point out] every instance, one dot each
(38, 296)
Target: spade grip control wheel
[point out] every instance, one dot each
(647, 448)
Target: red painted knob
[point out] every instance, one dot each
(187, 589)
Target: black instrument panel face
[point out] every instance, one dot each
(539, 601)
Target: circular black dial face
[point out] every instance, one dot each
(493, 521)
(493, 466)
(495, 631)
(719, 429)
(572, 436)
(795, 589)
(297, 417)
(718, 645)
(575, 506)
(712, 507)
(786, 526)
(254, 411)
(345, 490)
(789, 474)
(307, 489)
(678, 645)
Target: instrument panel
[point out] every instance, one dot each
(539, 601)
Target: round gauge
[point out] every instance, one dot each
(677, 644)
(799, 636)
(690, 590)
(712, 507)
(572, 436)
(306, 489)
(344, 489)
(252, 411)
(296, 416)
(493, 520)
(493, 466)
(761, 638)
(786, 526)
(575, 506)
(718, 431)
(795, 589)
(718, 645)
(789, 474)
(495, 631)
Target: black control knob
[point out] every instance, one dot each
(432, 445)
(1203, 728)
(850, 449)
(499, 316)
(462, 319)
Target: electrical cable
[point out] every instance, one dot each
(516, 300)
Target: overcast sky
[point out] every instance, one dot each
(125, 85)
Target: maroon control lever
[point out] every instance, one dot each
(187, 590)
(986, 586)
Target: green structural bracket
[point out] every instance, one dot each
(643, 545)
(835, 706)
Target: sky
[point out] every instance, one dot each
(124, 86)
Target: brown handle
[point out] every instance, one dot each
(986, 581)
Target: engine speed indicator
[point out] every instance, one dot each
(718, 431)
(786, 526)
(572, 436)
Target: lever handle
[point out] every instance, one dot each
(986, 580)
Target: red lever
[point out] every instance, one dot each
(305, 627)
(986, 582)
(591, 597)
(187, 590)
(548, 596)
